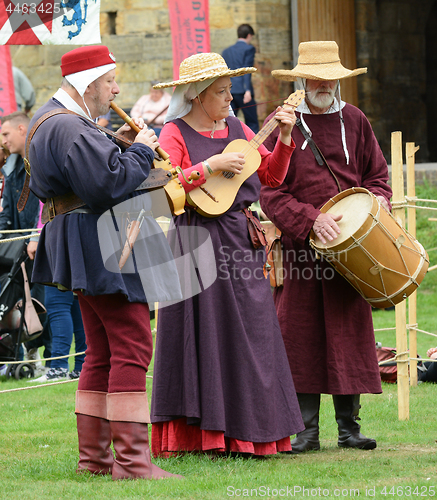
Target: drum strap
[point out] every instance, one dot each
(321, 160)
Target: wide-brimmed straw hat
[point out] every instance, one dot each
(318, 61)
(202, 66)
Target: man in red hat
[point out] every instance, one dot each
(68, 155)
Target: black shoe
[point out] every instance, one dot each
(74, 374)
(347, 408)
(309, 438)
(359, 441)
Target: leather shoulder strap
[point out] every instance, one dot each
(26, 189)
(321, 160)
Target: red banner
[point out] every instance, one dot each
(7, 91)
(189, 22)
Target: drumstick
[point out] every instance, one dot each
(122, 114)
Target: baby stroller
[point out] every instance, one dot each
(19, 311)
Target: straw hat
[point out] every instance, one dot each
(201, 67)
(318, 61)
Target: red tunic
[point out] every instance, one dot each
(326, 325)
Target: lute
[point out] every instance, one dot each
(218, 193)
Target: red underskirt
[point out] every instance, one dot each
(175, 436)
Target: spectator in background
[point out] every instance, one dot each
(242, 55)
(65, 320)
(105, 120)
(24, 93)
(14, 131)
(152, 108)
(428, 372)
(4, 153)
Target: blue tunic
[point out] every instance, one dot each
(68, 153)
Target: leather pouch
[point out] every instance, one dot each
(274, 260)
(256, 231)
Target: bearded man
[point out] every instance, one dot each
(326, 325)
(71, 159)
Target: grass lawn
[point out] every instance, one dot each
(38, 442)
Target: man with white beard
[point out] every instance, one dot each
(326, 325)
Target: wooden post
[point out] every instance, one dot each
(397, 175)
(410, 151)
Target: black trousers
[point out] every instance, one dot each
(431, 372)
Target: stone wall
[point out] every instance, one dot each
(395, 39)
(139, 35)
(392, 43)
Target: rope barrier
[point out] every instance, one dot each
(414, 198)
(405, 360)
(34, 232)
(39, 386)
(46, 385)
(43, 359)
(11, 231)
(402, 204)
(17, 238)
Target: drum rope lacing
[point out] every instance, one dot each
(333, 256)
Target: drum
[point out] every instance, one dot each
(381, 260)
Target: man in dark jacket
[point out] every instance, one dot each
(14, 130)
(242, 55)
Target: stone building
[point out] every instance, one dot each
(395, 39)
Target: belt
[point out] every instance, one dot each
(69, 202)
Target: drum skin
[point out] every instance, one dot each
(381, 260)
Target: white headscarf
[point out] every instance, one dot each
(82, 79)
(180, 103)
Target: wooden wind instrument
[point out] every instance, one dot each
(174, 190)
(122, 114)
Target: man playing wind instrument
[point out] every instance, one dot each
(68, 155)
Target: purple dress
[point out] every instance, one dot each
(220, 360)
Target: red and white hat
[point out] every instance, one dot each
(84, 65)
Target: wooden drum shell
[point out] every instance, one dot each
(381, 260)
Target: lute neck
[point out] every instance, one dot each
(262, 135)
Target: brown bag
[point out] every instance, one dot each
(388, 371)
(32, 324)
(274, 256)
(256, 231)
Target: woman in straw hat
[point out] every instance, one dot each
(221, 378)
(321, 316)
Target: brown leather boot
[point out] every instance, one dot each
(94, 433)
(128, 414)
